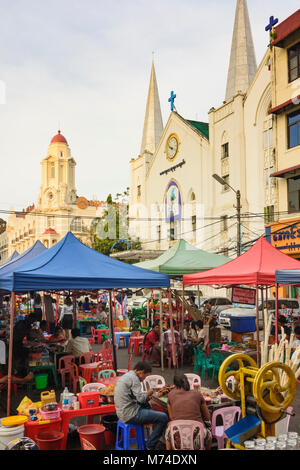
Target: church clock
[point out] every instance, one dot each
(172, 147)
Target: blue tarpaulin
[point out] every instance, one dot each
(13, 256)
(71, 265)
(288, 276)
(19, 260)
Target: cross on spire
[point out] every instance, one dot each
(171, 100)
(273, 22)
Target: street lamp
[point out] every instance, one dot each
(238, 209)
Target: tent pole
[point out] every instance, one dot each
(198, 289)
(56, 313)
(75, 310)
(263, 309)
(182, 323)
(161, 332)
(11, 334)
(276, 313)
(171, 326)
(257, 324)
(112, 333)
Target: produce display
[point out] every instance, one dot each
(164, 391)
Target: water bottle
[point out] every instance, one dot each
(65, 404)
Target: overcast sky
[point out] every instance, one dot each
(85, 66)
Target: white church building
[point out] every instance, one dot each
(172, 192)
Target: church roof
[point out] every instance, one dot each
(50, 231)
(287, 27)
(59, 138)
(242, 66)
(202, 127)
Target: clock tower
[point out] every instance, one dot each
(58, 176)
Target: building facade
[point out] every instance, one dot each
(173, 193)
(58, 209)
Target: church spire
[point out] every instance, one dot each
(242, 65)
(153, 125)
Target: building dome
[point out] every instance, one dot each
(59, 138)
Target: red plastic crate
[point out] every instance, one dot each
(89, 399)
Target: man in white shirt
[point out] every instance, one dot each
(77, 345)
(296, 342)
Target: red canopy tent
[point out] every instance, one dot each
(256, 267)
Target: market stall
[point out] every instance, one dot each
(70, 265)
(256, 267)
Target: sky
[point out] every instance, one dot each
(84, 67)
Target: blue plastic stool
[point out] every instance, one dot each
(124, 440)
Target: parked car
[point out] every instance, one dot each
(224, 315)
(215, 301)
(292, 304)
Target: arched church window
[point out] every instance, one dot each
(193, 197)
(52, 171)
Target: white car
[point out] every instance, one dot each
(224, 315)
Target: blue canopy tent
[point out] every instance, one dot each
(13, 256)
(21, 259)
(288, 276)
(71, 265)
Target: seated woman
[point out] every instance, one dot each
(188, 405)
(59, 336)
(201, 335)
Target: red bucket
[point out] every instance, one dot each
(91, 434)
(49, 440)
(110, 438)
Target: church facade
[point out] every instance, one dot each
(173, 193)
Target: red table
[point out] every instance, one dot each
(89, 412)
(88, 369)
(137, 340)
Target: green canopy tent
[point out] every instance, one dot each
(181, 259)
(184, 258)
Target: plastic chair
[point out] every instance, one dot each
(94, 386)
(67, 361)
(74, 377)
(86, 358)
(106, 345)
(82, 383)
(154, 382)
(232, 343)
(202, 364)
(124, 440)
(186, 431)
(230, 415)
(124, 371)
(106, 374)
(216, 360)
(194, 380)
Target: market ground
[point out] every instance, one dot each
(122, 358)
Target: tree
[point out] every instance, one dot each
(112, 220)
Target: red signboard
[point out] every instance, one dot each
(242, 295)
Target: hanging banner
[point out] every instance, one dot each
(242, 295)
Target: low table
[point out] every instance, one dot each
(136, 340)
(125, 334)
(88, 369)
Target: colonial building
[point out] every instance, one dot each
(58, 208)
(172, 191)
(284, 233)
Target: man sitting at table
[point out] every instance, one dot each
(132, 405)
(77, 345)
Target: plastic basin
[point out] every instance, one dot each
(49, 440)
(91, 434)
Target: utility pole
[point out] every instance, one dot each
(238, 209)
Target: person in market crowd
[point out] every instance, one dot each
(102, 315)
(167, 337)
(58, 337)
(188, 345)
(37, 306)
(132, 405)
(193, 301)
(77, 345)
(20, 353)
(36, 333)
(296, 342)
(186, 404)
(282, 323)
(86, 307)
(66, 316)
(286, 312)
(202, 337)
(152, 344)
(103, 299)
(23, 306)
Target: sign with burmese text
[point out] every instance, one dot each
(242, 295)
